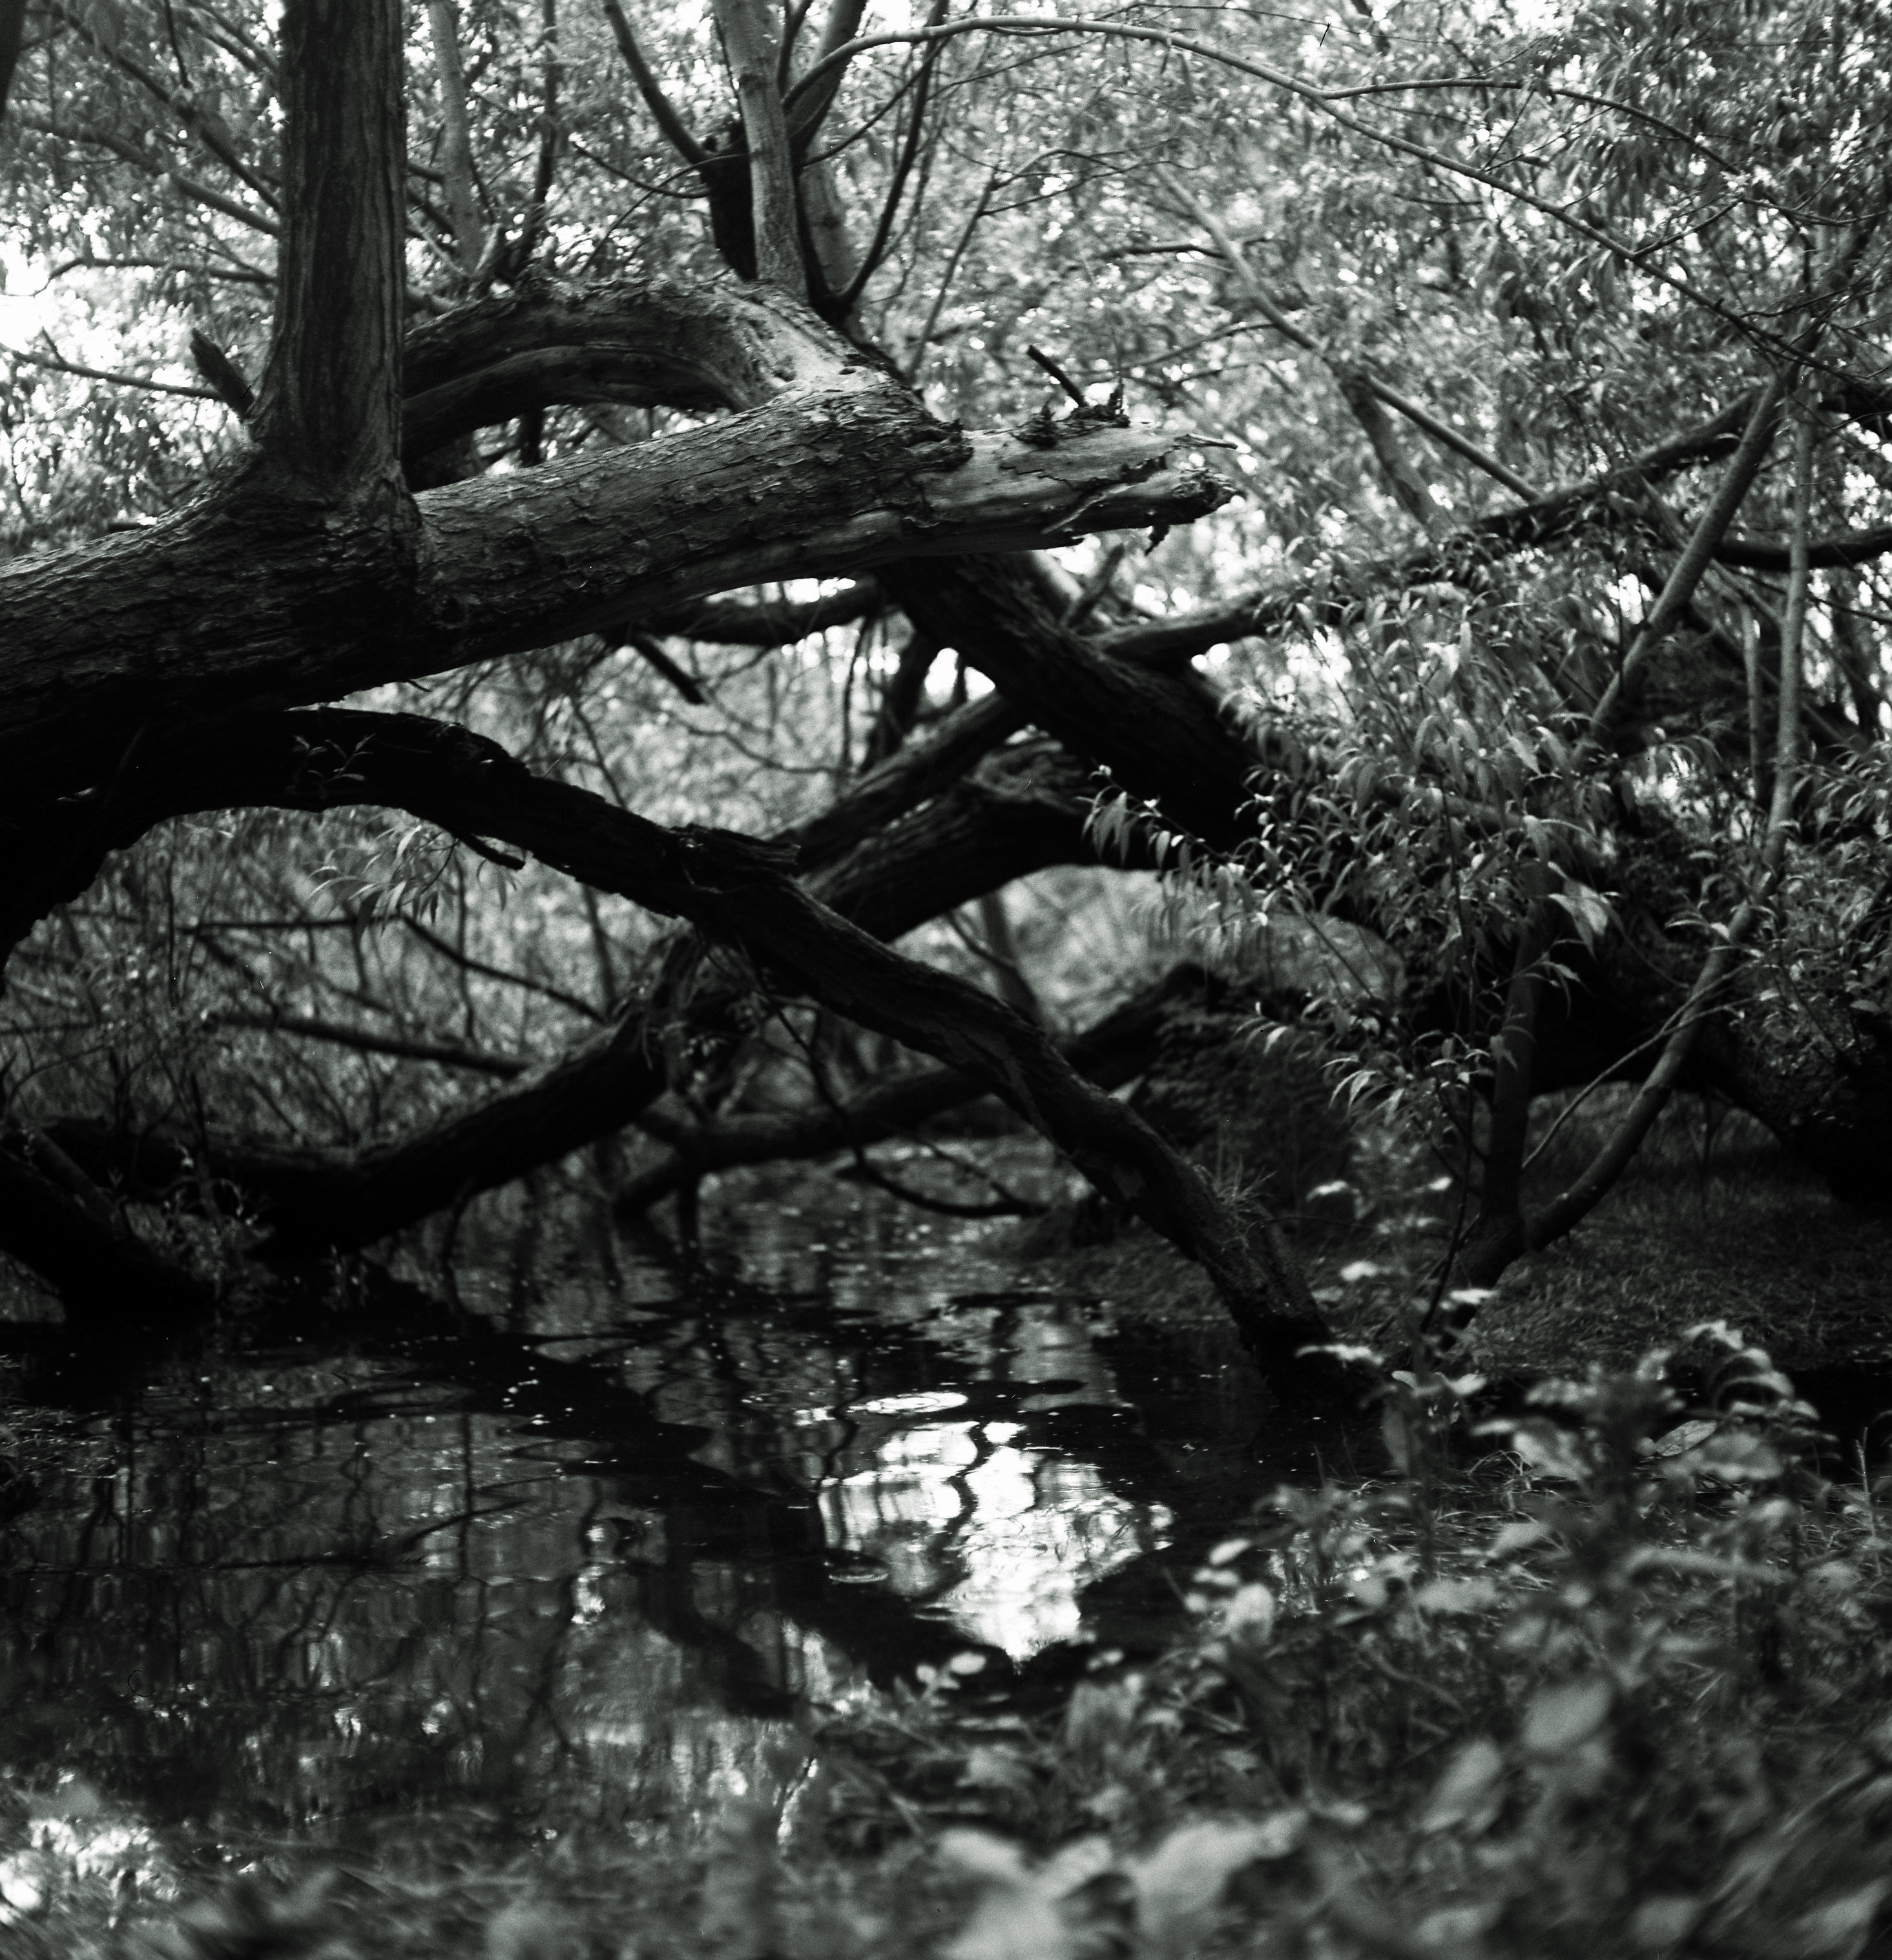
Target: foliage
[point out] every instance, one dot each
(1595, 1689)
(1564, 233)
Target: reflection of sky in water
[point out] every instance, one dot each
(1001, 1538)
(353, 1575)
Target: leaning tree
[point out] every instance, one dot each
(628, 421)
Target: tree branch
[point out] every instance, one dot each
(207, 128)
(312, 1027)
(737, 890)
(1363, 394)
(984, 831)
(1599, 1176)
(777, 622)
(104, 1274)
(1460, 559)
(753, 48)
(1111, 1052)
(667, 119)
(843, 23)
(905, 780)
(1163, 735)
(1709, 529)
(878, 246)
(58, 365)
(117, 633)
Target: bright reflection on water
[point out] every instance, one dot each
(1001, 1538)
(592, 1547)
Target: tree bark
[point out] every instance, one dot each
(455, 144)
(739, 891)
(329, 408)
(229, 607)
(752, 45)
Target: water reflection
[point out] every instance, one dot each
(1001, 1538)
(591, 1548)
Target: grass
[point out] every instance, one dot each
(1711, 1223)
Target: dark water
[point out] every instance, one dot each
(600, 1540)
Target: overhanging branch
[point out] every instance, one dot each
(739, 891)
(117, 636)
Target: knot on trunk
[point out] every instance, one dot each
(728, 860)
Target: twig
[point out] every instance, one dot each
(61, 366)
(1058, 374)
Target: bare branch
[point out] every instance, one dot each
(311, 1027)
(1115, 1050)
(780, 622)
(100, 1272)
(667, 120)
(905, 779)
(1686, 575)
(654, 657)
(753, 48)
(456, 147)
(59, 365)
(917, 131)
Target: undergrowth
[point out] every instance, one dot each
(1613, 1681)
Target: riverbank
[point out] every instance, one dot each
(1614, 1682)
(1622, 1689)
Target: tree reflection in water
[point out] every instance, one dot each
(592, 1548)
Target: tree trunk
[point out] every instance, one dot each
(739, 891)
(247, 600)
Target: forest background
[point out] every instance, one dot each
(827, 525)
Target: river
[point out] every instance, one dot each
(586, 1534)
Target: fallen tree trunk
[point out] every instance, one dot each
(740, 892)
(255, 598)
(1022, 811)
(52, 1223)
(1117, 1050)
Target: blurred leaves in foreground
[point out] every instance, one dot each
(1608, 1676)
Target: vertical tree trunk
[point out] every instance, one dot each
(753, 44)
(328, 414)
(456, 145)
